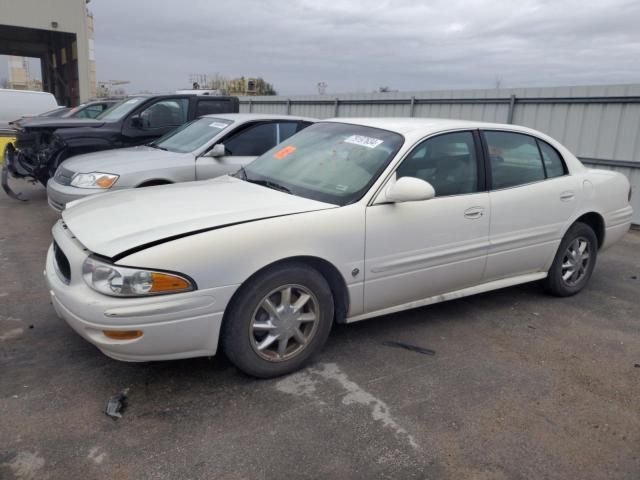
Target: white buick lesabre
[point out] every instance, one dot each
(346, 220)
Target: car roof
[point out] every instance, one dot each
(411, 127)
(247, 117)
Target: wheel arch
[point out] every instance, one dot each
(154, 182)
(330, 273)
(596, 222)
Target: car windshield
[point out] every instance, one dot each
(192, 135)
(330, 162)
(119, 110)
(56, 112)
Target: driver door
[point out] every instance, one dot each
(155, 120)
(416, 250)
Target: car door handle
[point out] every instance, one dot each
(474, 212)
(566, 196)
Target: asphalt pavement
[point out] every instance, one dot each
(512, 384)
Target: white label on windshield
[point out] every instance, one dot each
(133, 100)
(363, 141)
(218, 125)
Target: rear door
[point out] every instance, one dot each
(532, 197)
(244, 144)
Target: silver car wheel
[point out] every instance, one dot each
(284, 323)
(575, 261)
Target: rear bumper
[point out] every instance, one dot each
(173, 326)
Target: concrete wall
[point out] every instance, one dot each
(600, 124)
(70, 16)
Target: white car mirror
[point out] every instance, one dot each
(409, 189)
(218, 150)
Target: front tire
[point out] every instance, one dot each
(574, 261)
(278, 320)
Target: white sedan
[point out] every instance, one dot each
(347, 220)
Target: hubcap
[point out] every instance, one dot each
(575, 261)
(284, 323)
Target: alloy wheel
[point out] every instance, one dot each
(284, 323)
(575, 262)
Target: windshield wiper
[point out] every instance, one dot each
(270, 184)
(153, 145)
(242, 173)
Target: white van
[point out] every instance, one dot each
(15, 104)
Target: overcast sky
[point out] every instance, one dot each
(360, 45)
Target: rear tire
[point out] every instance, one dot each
(574, 261)
(278, 321)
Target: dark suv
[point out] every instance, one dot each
(43, 143)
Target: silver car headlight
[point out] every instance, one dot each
(120, 281)
(94, 180)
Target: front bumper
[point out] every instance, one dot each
(174, 326)
(59, 195)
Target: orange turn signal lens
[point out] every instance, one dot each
(162, 282)
(106, 181)
(122, 334)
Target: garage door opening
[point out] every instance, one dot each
(55, 52)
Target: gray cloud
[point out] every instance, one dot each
(359, 45)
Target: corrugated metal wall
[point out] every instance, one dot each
(600, 124)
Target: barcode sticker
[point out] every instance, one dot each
(363, 141)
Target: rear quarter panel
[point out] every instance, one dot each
(607, 193)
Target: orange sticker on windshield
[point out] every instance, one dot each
(280, 154)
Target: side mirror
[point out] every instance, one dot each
(409, 189)
(218, 150)
(136, 121)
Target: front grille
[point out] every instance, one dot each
(62, 263)
(64, 176)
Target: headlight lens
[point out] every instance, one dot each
(131, 282)
(94, 180)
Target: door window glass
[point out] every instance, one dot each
(553, 164)
(253, 141)
(91, 111)
(208, 106)
(165, 113)
(448, 162)
(515, 159)
(286, 129)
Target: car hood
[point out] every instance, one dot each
(55, 123)
(118, 222)
(119, 160)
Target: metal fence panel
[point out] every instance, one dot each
(600, 124)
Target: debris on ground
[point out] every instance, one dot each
(407, 346)
(531, 327)
(117, 404)
(637, 365)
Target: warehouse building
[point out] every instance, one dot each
(60, 34)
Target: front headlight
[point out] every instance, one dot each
(131, 282)
(94, 180)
